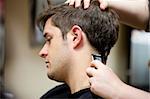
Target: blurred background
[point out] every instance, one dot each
(23, 72)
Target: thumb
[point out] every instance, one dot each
(91, 71)
(96, 64)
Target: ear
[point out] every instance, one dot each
(77, 34)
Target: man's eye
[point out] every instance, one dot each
(48, 40)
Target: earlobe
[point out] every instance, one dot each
(77, 36)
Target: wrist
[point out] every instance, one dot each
(122, 91)
(118, 91)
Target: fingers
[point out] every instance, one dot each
(77, 3)
(86, 3)
(103, 4)
(97, 64)
(71, 2)
(91, 71)
(92, 82)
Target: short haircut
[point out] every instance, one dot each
(100, 26)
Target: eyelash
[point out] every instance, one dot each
(48, 40)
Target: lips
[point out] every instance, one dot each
(47, 63)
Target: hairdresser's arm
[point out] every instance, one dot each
(134, 13)
(105, 83)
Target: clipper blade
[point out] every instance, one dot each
(96, 57)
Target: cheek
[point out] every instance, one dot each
(53, 48)
(57, 52)
(60, 56)
(59, 63)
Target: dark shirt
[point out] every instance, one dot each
(63, 92)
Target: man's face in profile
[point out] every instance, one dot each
(55, 52)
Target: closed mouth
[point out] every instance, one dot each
(46, 62)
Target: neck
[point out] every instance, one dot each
(77, 78)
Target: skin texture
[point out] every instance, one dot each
(62, 56)
(55, 52)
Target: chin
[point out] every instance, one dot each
(52, 77)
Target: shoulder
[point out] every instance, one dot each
(60, 91)
(85, 94)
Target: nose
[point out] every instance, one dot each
(44, 51)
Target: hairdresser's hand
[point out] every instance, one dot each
(77, 3)
(103, 80)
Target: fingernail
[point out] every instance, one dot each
(102, 7)
(76, 6)
(86, 6)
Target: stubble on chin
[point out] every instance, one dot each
(52, 77)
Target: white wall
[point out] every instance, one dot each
(25, 73)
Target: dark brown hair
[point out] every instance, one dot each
(101, 27)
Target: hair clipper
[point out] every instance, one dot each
(96, 57)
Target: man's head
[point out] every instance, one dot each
(68, 30)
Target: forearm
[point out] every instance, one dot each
(129, 92)
(132, 12)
